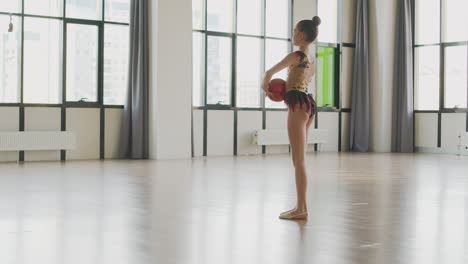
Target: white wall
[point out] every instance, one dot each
(382, 23)
(426, 130)
(85, 122)
(247, 122)
(170, 78)
(10, 122)
(220, 133)
(452, 125)
(42, 119)
(198, 133)
(330, 122)
(112, 128)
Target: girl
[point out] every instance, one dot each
(302, 107)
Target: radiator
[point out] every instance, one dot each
(464, 140)
(37, 140)
(280, 137)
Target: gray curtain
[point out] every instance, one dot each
(359, 127)
(134, 134)
(402, 114)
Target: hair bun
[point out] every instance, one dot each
(316, 21)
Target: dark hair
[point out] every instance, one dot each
(310, 27)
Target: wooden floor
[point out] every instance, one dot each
(364, 208)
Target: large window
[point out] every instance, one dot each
(440, 52)
(234, 41)
(10, 62)
(328, 51)
(72, 51)
(42, 60)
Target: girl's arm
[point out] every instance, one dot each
(288, 60)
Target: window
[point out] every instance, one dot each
(440, 53)
(82, 54)
(455, 20)
(277, 18)
(42, 60)
(198, 14)
(328, 50)
(251, 19)
(326, 78)
(44, 7)
(238, 50)
(82, 62)
(275, 51)
(455, 76)
(10, 6)
(84, 9)
(117, 10)
(427, 21)
(219, 70)
(427, 66)
(198, 68)
(220, 15)
(249, 74)
(116, 45)
(10, 55)
(328, 12)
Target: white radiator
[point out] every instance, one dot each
(463, 140)
(280, 137)
(37, 140)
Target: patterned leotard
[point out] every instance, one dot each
(299, 77)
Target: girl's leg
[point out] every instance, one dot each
(308, 125)
(297, 125)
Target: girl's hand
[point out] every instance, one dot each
(265, 84)
(265, 88)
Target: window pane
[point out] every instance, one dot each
(220, 15)
(42, 60)
(10, 55)
(249, 17)
(198, 14)
(275, 51)
(426, 73)
(219, 70)
(328, 12)
(12, 6)
(82, 59)
(198, 68)
(456, 20)
(326, 77)
(455, 77)
(117, 10)
(277, 18)
(427, 21)
(116, 39)
(43, 7)
(85, 9)
(249, 61)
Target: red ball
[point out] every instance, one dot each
(278, 88)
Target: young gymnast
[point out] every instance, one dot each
(301, 105)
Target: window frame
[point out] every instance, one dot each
(65, 21)
(338, 48)
(232, 105)
(442, 45)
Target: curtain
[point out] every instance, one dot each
(359, 127)
(402, 113)
(134, 134)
